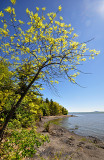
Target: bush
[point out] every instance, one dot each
(14, 124)
(47, 126)
(22, 143)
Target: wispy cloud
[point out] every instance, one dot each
(93, 8)
(100, 9)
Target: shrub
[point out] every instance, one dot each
(22, 143)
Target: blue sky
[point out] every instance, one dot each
(87, 18)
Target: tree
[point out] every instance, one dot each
(64, 111)
(43, 53)
(47, 101)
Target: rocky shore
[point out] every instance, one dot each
(65, 145)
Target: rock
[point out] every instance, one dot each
(89, 147)
(56, 130)
(101, 146)
(68, 141)
(94, 139)
(80, 144)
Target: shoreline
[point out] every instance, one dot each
(67, 145)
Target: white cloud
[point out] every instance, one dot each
(100, 9)
(93, 8)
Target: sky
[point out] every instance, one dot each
(87, 18)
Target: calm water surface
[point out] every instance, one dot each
(86, 124)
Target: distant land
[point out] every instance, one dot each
(98, 111)
(88, 112)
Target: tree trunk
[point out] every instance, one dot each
(13, 109)
(6, 122)
(9, 116)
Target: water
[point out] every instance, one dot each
(86, 124)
